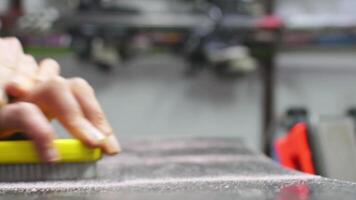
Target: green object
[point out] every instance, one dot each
(47, 51)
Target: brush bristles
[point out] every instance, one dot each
(47, 172)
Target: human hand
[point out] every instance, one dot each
(15, 66)
(42, 95)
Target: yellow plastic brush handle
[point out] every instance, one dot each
(24, 152)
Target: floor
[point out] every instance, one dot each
(150, 96)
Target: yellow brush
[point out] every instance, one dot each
(19, 161)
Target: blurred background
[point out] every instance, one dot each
(251, 69)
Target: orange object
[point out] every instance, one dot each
(293, 150)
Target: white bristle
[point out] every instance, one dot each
(43, 172)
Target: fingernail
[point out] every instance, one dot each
(111, 145)
(93, 132)
(52, 155)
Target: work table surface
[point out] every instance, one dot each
(190, 168)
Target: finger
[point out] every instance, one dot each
(19, 86)
(85, 96)
(28, 118)
(48, 69)
(10, 52)
(27, 66)
(5, 74)
(56, 99)
(23, 80)
(14, 44)
(84, 93)
(111, 145)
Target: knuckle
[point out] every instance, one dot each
(57, 83)
(54, 88)
(13, 41)
(99, 118)
(81, 83)
(58, 80)
(29, 57)
(24, 112)
(50, 62)
(23, 109)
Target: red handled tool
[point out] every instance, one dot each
(293, 149)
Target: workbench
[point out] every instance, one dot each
(186, 168)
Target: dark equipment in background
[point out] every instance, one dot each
(217, 47)
(95, 28)
(207, 33)
(9, 19)
(119, 24)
